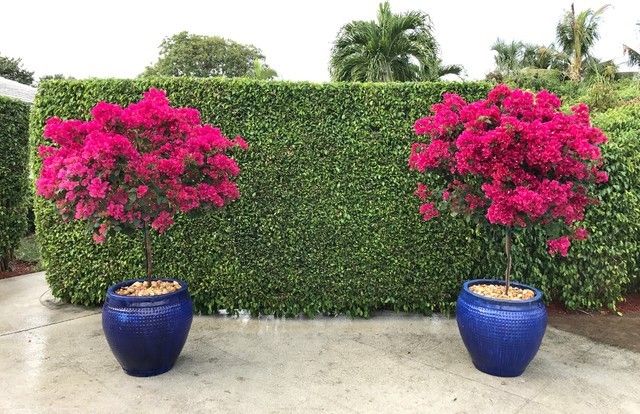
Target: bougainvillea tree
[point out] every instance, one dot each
(135, 168)
(512, 160)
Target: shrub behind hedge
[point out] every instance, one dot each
(327, 221)
(14, 137)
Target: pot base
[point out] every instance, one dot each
(498, 371)
(148, 373)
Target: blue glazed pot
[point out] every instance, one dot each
(147, 333)
(502, 336)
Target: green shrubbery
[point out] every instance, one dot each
(327, 221)
(14, 122)
(599, 93)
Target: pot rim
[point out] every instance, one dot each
(468, 283)
(111, 291)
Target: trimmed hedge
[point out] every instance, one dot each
(327, 222)
(14, 138)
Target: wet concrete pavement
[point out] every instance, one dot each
(55, 359)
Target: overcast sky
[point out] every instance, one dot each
(117, 38)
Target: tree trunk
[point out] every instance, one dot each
(507, 250)
(147, 252)
(5, 259)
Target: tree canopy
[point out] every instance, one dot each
(185, 54)
(11, 68)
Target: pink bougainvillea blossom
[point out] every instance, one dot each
(422, 192)
(580, 234)
(429, 211)
(514, 159)
(136, 166)
(559, 246)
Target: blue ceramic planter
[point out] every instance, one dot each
(147, 333)
(502, 336)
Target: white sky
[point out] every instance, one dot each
(117, 38)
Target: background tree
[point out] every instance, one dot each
(633, 54)
(508, 57)
(11, 68)
(395, 47)
(436, 70)
(576, 34)
(512, 57)
(261, 70)
(543, 57)
(185, 54)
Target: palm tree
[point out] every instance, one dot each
(437, 69)
(508, 56)
(514, 57)
(634, 55)
(395, 47)
(576, 34)
(260, 70)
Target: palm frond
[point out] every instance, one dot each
(450, 70)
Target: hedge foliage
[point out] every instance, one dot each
(327, 222)
(14, 137)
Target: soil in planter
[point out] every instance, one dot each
(498, 292)
(155, 288)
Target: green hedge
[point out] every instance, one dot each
(327, 222)
(621, 206)
(14, 137)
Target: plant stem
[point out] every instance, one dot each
(507, 250)
(147, 251)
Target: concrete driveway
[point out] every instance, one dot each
(54, 358)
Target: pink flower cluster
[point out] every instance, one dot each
(513, 158)
(138, 165)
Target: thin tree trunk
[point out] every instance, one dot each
(147, 252)
(507, 250)
(5, 259)
(576, 65)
